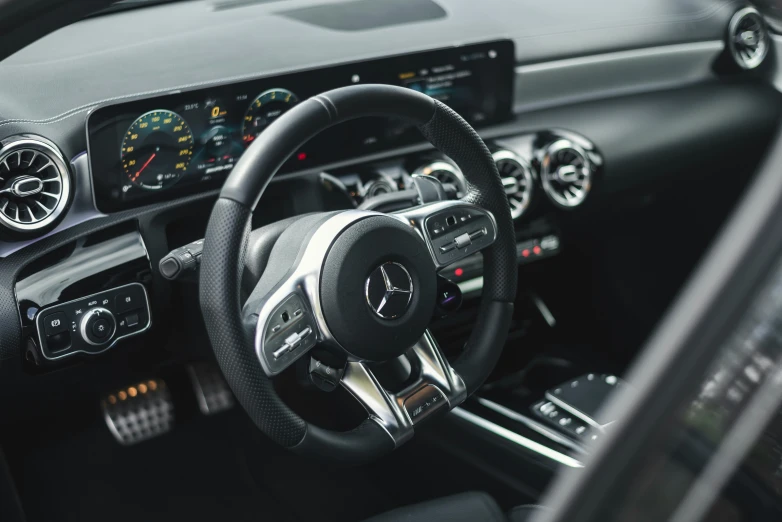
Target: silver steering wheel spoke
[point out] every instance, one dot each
(434, 387)
(452, 230)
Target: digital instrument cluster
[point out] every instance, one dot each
(163, 147)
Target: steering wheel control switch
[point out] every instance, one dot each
(93, 324)
(182, 261)
(290, 332)
(139, 412)
(459, 232)
(324, 377)
(449, 297)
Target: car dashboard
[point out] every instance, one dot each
(111, 181)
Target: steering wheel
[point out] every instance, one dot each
(360, 282)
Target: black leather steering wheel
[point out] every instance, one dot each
(357, 281)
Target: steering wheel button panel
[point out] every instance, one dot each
(289, 333)
(455, 233)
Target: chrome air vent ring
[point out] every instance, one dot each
(748, 39)
(566, 173)
(445, 173)
(517, 180)
(35, 184)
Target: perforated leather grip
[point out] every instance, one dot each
(226, 242)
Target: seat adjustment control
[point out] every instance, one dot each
(324, 377)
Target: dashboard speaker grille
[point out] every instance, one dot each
(747, 38)
(566, 173)
(34, 184)
(517, 180)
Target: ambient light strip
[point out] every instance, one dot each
(516, 438)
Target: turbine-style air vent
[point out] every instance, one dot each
(566, 173)
(747, 38)
(445, 173)
(35, 184)
(516, 179)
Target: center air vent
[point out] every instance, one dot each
(747, 38)
(566, 173)
(34, 184)
(516, 178)
(445, 173)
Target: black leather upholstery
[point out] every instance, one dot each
(472, 506)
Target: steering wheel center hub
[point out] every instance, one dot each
(389, 290)
(378, 288)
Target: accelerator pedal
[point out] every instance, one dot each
(211, 390)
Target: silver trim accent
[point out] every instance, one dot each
(531, 424)
(305, 278)
(391, 290)
(599, 76)
(388, 409)
(519, 197)
(82, 207)
(431, 169)
(576, 413)
(42, 333)
(86, 317)
(418, 216)
(39, 146)
(21, 180)
(517, 439)
(577, 179)
(544, 311)
(753, 58)
(471, 287)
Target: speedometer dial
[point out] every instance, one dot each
(264, 109)
(156, 150)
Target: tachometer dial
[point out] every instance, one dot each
(264, 109)
(156, 149)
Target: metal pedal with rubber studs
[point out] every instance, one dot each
(139, 412)
(211, 390)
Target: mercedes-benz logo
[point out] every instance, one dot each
(389, 290)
